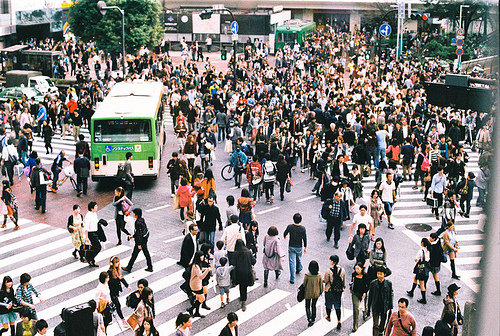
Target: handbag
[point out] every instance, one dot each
(175, 204)
(288, 185)
(432, 202)
(427, 178)
(228, 147)
(133, 321)
(125, 207)
(301, 293)
(350, 252)
(367, 171)
(10, 210)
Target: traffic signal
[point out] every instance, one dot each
(206, 14)
(223, 54)
(419, 15)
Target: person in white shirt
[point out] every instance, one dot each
(90, 227)
(9, 159)
(232, 232)
(362, 218)
(388, 195)
(103, 297)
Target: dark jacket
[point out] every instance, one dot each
(470, 188)
(141, 233)
(80, 164)
(187, 250)
(436, 253)
(336, 169)
(442, 329)
(227, 332)
(22, 145)
(383, 290)
(115, 284)
(83, 147)
(361, 244)
(211, 215)
(283, 171)
(243, 262)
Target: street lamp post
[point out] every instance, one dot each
(206, 14)
(101, 5)
(460, 26)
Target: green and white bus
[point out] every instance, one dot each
(130, 119)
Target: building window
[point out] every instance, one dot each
(4, 6)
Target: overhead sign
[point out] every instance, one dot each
(234, 27)
(385, 30)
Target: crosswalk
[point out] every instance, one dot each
(411, 210)
(45, 253)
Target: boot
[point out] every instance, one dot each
(410, 292)
(453, 271)
(243, 305)
(74, 254)
(266, 276)
(278, 273)
(438, 289)
(197, 305)
(204, 305)
(423, 300)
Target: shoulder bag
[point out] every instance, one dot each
(301, 293)
(401, 323)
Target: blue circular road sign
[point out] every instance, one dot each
(234, 27)
(460, 51)
(385, 30)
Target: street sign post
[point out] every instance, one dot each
(234, 27)
(401, 10)
(460, 51)
(460, 42)
(385, 30)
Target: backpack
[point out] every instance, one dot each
(355, 155)
(239, 162)
(337, 283)
(269, 171)
(120, 173)
(325, 210)
(425, 163)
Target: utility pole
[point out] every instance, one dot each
(101, 5)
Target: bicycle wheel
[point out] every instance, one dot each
(227, 172)
(61, 181)
(73, 183)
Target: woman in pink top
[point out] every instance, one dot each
(185, 193)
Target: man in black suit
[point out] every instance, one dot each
(188, 249)
(189, 246)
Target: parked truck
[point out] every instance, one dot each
(30, 79)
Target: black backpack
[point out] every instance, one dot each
(337, 283)
(325, 210)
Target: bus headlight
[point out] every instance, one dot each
(150, 162)
(96, 164)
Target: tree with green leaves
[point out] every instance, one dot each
(450, 9)
(142, 24)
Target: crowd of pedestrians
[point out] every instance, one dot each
(321, 109)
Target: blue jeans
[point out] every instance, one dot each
(373, 153)
(481, 201)
(294, 255)
(381, 154)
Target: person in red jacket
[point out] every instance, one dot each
(185, 192)
(254, 177)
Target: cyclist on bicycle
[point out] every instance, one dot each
(238, 161)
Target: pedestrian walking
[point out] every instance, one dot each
(243, 262)
(39, 178)
(378, 258)
(122, 206)
(91, 227)
(7, 301)
(82, 170)
(335, 211)
(298, 239)
(269, 178)
(145, 307)
(141, 236)
(313, 289)
(211, 215)
(173, 169)
(465, 189)
(57, 167)
(102, 297)
(128, 179)
(183, 325)
(451, 305)
(115, 282)
(10, 208)
(230, 235)
(75, 228)
(358, 288)
(223, 279)
(375, 210)
(335, 285)
(401, 323)
(438, 184)
(273, 254)
(254, 177)
(22, 148)
(436, 258)
(380, 301)
(283, 174)
(185, 192)
(231, 328)
(238, 161)
(421, 269)
(9, 159)
(388, 195)
(27, 325)
(482, 179)
(445, 326)
(450, 247)
(47, 134)
(25, 292)
(147, 328)
(245, 206)
(198, 273)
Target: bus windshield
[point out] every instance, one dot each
(122, 130)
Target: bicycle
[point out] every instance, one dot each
(68, 174)
(227, 172)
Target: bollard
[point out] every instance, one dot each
(469, 318)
